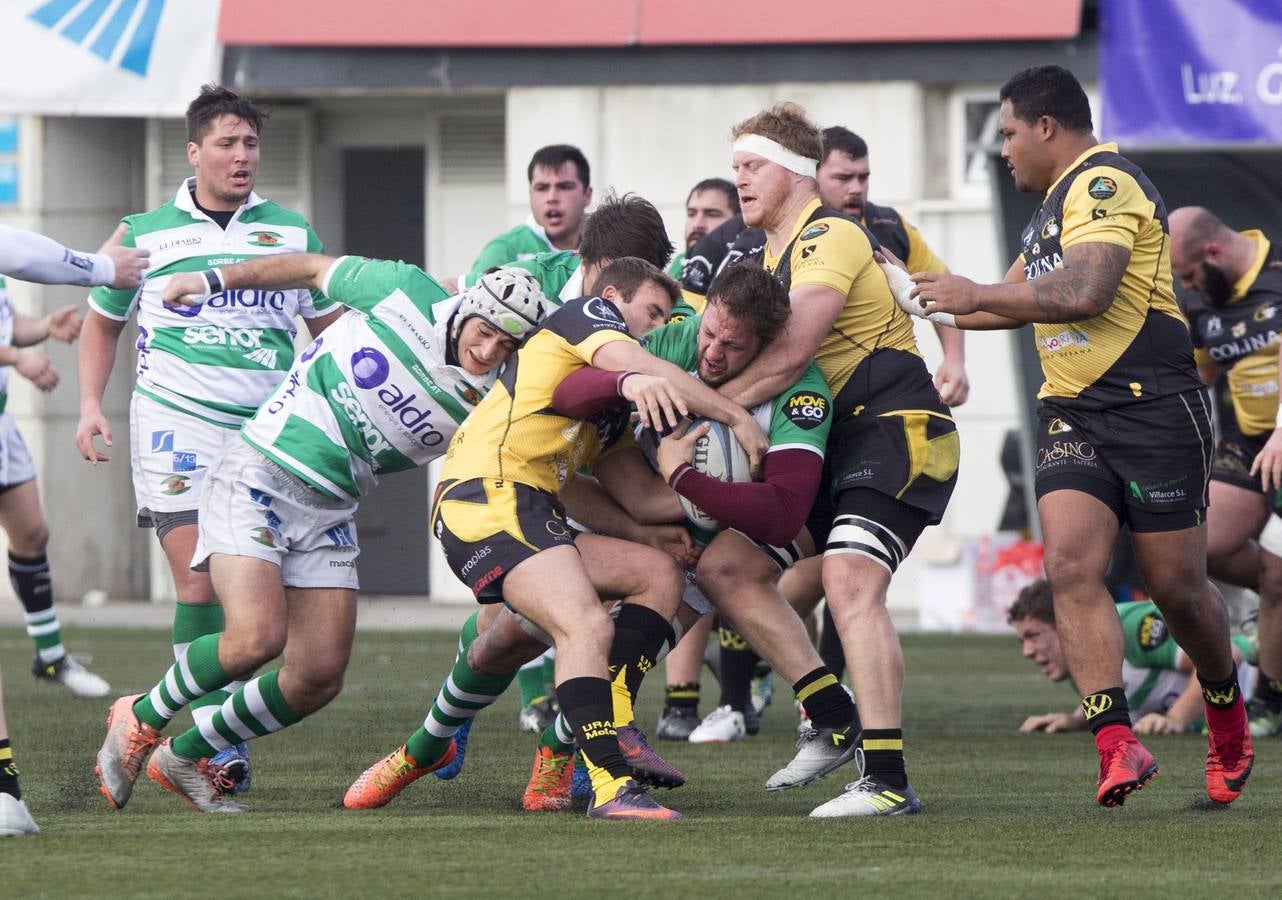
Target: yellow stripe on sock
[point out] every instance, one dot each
(622, 700)
(816, 685)
(6, 753)
(883, 744)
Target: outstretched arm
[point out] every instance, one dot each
(34, 257)
(282, 271)
(1082, 288)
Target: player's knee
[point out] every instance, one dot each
(1068, 572)
(1270, 586)
(723, 568)
(249, 645)
(854, 584)
(193, 587)
(665, 572)
(1183, 597)
(28, 543)
(323, 684)
(592, 628)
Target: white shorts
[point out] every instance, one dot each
(693, 597)
(169, 453)
(15, 462)
(252, 507)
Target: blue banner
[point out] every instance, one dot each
(1178, 71)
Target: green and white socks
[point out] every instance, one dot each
(461, 697)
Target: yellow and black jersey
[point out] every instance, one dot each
(1139, 348)
(514, 434)
(901, 238)
(829, 249)
(1243, 337)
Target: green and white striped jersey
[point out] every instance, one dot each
(379, 391)
(558, 273)
(220, 360)
(6, 338)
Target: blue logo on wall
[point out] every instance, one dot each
(162, 441)
(184, 461)
(126, 27)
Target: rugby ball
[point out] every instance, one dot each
(718, 455)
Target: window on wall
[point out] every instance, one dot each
(472, 147)
(973, 137)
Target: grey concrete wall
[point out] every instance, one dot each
(80, 176)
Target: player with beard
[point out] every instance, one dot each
(711, 203)
(1124, 431)
(1239, 274)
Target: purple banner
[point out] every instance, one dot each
(1178, 71)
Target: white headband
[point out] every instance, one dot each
(777, 153)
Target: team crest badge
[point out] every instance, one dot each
(266, 239)
(1102, 188)
(814, 231)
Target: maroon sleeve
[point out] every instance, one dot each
(587, 391)
(771, 510)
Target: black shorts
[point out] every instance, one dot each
(891, 435)
(1234, 454)
(1149, 462)
(487, 526)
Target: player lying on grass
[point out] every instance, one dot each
(382, 390)
(503, 529)
(1162, 691)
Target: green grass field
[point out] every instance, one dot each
(1005, 815)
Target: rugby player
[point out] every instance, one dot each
(202, 371)
(34, 257)
(762, 521)
(1257, 287)
(710, 203)
(497, 498)
(560, 193)
(621, 226)
(1124, 431)
(892, 452)
(21, 515)
(1239, 278)
(382, 391)
(1163, 695)
(842, 177)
